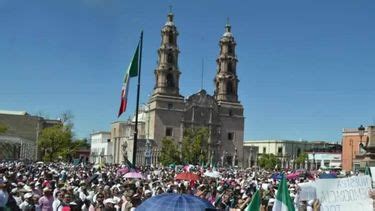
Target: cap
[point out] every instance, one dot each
(27, 195)
(46, 189)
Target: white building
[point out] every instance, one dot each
(286, 150)
(325, 159)
(101, 147)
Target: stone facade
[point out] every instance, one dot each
(170, 113)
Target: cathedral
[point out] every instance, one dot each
(168, 113)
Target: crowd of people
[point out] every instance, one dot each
(63, 186)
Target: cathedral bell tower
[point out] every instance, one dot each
(166, 105)
(167, 73)
(226, 81)
(226, 96)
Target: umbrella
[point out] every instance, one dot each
(134, 175)
(277, 176)
(292, 176)
(187, 176)
(213, 174)
(174, 202)
(122, 171)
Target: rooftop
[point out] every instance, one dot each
(21, 113)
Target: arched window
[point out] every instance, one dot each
(229, 87)
(230, 49)
(170, 57)
(171, 38)
(170, 81)
(230, 69)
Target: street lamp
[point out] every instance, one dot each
(148, 153)
(314, 164)
(361, 132)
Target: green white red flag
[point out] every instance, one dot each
(283, 200)
(132, 71)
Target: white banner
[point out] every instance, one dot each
(346, 194)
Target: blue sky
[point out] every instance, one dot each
(306, 68)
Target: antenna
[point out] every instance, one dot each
(170, 8)
(202, 74)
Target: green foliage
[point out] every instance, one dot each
(3, 128)
(268, 161)
(55, 142)
(302, 158)
(169, 153)
(195, 146)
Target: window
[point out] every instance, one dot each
(298, 151)
(264, 150)
(170, 58)
(170, 106)
(229, 87)
(280, 151)
(168, 131)
(170, 82)
(230, 136)
(230, 67)
(230, 113)
(230, 49)
(171, 38)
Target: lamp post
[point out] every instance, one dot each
(148, 153)
(314, 164)
(251, 156)
(361, 132)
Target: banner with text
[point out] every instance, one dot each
(344, 194)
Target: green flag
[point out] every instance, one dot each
(131, 72)
(133, 67)
(283, 201)
(255, 202)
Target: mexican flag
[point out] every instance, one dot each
(283, 201)
(131, 72)
(255, 202)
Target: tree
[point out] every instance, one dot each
(3, 128)
(55, 142)
(268, 161)
(301, 159)
(67, 119)
(169, 153)
(195, 145)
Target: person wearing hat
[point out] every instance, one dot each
(46, 201)
(28, 203)
(127, 205)
(98, 204)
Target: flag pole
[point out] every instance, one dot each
(136, 108)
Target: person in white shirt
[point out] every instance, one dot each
(56, 204)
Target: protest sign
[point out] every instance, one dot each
(307, 191)
(345, 194)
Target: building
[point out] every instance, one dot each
(287, 151)
(169, 113)
(324, 156)
(353, 156)
(222, 113)
(20, 139)
(250, 156)
(101, 150)
(122, 136)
